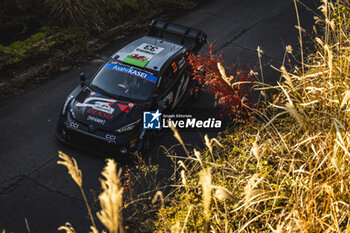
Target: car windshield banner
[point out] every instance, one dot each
(131, 71)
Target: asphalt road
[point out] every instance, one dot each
(34, 187)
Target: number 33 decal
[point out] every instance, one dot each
(174, 66)
(150, 48)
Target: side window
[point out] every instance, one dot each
(168, 76)
(171, 72)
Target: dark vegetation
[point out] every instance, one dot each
(40, 37)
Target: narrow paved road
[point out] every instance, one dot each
(34, 187)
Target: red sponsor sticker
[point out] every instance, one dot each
(100, 114)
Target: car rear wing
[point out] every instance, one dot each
(191, 38)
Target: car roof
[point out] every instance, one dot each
(166, 50)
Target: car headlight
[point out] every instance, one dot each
(128, 127)
(71, 109)
(64, 109)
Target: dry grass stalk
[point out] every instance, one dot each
(222, 193)
(249, 189)
(186, 219)
(223, 74)
(197, 154)
(346, 99)
(256, 151)
(75, 172)
(300, 36)
(27, 225)
(182, 164)
(93, 230)
(176, 228)
(260, 53)
(294, 113)
(178, 137)
(67, 227)
(183, 178)
(289, 49)
(158, 195)
(288, 78)
(209, 144)
(111, 198)
(72, 166)
(205, 181)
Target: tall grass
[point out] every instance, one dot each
(111, 198)
(289, 171)
(130, 193)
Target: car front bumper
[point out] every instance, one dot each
(99, 142)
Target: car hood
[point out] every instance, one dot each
(103, 111)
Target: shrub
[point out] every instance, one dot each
(233, 91)
(73, 12)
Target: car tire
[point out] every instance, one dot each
(147, 143)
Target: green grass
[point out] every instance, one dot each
(37, 44)
(69, 26)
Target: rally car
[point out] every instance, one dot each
(105, 114)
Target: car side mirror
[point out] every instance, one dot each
(161, 104)
(82, 79)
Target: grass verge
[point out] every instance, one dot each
(289, 170)
(57, 48)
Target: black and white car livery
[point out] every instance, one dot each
(104, 114)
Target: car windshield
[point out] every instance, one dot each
(126, 82)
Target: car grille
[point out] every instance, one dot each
(94, 144)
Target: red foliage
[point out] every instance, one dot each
(128, 183)
(229, 98)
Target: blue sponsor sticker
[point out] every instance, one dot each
(131, 71)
